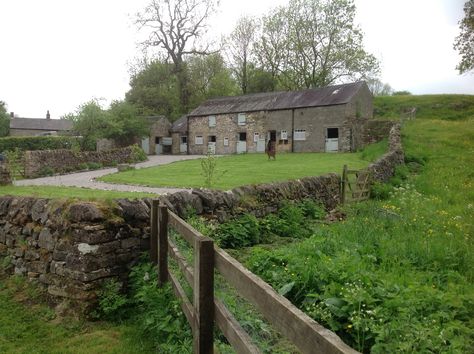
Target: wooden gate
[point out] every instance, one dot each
(355, 185)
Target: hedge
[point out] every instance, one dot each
(29, 143)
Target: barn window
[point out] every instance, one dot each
(184, 140)
(256, 136)
(333, 133)
(198, 140)
(241, 119)
(300, 134)
(242, 136)
(157, 140)
(212, 139)
(212, 121)
(226, 141)
(284, 135)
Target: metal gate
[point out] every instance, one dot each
(355, 185)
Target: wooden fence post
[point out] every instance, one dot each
(203, 296)
(163, 245)
(154, 232)
(343, 184)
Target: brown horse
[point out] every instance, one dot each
(271, 150)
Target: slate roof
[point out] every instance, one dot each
(180, 125)
(40, 124)
(270, 101)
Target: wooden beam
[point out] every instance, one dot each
(184, 229)
(233, 331)
(154, 231)
(163, 245)
(305, 333)
(204, 296)
(182, 263)
(186, 306)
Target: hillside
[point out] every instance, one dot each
(445, 107)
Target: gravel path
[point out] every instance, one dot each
(87, 179)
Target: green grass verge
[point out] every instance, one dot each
(68, 192)
(397, 276)
(30, 327)
(238, 170)
(445, 107)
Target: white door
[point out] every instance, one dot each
(146, 145)
(211, 148)
(241, 147)
(183, 148)
(332, 145)
(261, 145)
(158, 149)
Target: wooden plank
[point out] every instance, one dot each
(163, 245)
(182, 263)
(343, 184)
(203, 342)
(184, 229)
(233, 331)
(154, 231)
(303, 331)
(186, 306)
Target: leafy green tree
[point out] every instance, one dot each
(314, 43)
(464, 42)
(260, 80)
(124, 123)
(90, 121)
(155, 91)
(378, 88)
(4, 120)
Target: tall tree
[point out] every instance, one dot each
(125, 124)
(176, 26)
(4, 119)
(464, 42)
(240, 47)
(378, 88)
(314, 43)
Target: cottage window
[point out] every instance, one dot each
(226, 141)
(198, 140)
(212, 121)
(256, 136)
(241, 119)
(284, 135)
(300, 134)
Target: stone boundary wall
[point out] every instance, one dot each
(62, 160)
(377, 130)
(72, 247)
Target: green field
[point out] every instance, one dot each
(68, 192)
(238, 170)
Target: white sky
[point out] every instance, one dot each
(57, 54)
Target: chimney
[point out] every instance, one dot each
(48, 116)
(12, 114)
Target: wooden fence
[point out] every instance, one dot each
(355, 185)
(205, 311)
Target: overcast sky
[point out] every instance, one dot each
(57, 54)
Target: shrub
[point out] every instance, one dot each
(241, 232)
(94, 165)
(137, 154)
(82, 166)
(380, 191)
(15, 162)
(46, 171)
(112, 302)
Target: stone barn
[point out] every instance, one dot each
(327, 119)
(159, 141)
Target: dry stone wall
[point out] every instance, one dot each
(62, 160)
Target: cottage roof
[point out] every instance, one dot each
(269, 101)
(180, 125)
(40, 124)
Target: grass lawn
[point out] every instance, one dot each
(238, 170)
(68, 192)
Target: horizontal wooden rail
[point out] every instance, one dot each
(305, 333)
(184, 229)
(233, 331)
(182, 264)
(186, 305)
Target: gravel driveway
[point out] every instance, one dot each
(87, 179)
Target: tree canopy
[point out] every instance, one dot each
(4, 119)
(464, 42)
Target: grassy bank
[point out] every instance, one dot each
(444, 107)
(238, 170)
